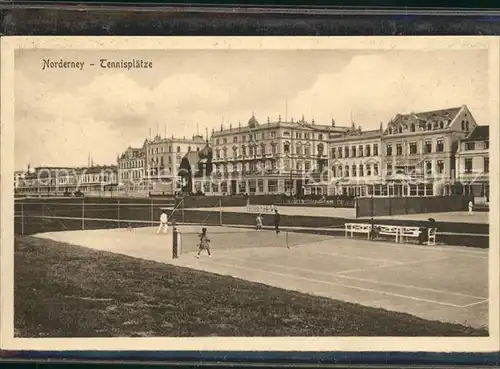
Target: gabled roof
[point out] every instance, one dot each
(480, 133)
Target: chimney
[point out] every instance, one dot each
(279, 118)
(333, 122)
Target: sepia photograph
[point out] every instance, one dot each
(250, 192)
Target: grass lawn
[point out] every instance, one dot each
(63, 290)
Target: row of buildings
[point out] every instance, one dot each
(417, 154)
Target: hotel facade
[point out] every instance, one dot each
(473, 163)
(62, 181)
(270, 158)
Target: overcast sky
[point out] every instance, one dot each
(62, 115)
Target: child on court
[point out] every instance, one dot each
(204, 243)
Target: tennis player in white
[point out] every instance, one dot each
(163, 222)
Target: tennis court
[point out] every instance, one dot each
(448, 284)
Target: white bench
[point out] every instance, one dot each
(409, 232)
(387, 230)
(351, 228)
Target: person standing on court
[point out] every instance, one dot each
(471, 207)
(277, 221)
(163, 222)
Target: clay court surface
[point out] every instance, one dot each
(454, 217)
(448, 284)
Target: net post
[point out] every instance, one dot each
(22, 218)
(175, 243)
(118, 202)
(83, 213)
(286, 238)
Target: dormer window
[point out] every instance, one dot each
(441, 125)
(429, 126)
(412, 127)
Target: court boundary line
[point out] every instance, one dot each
(362, 279)
(401, 264)
(342, 285)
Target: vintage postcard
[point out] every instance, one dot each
(283, 194)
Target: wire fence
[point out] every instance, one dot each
(43, 216)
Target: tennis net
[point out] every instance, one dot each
(223, 237)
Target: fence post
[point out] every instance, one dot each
(118, 213)
(152, 212)
(83, 213)
(22, 218)
(220, 212)
(183, 218)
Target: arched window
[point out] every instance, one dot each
(412, 127)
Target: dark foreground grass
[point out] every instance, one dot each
(63, 290)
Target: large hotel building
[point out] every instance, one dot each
(270, 157)
(415, 155)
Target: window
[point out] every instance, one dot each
(368, 170)
(428, 146)
(470, 146)
(340, 152)
(224, 140)
(413, 147)
(400, 129)
(360, 150)
(353, 150)
(178, 149)
(428, 168)
(389, 169)
(353, 171)
(263, 149)
(388, 150)
(334, 172)
(440, 167)
(260, 185)
(225, 152)
(346, 171)
(463, 125)
(412, 127)
(286, 164)
(235, 153)
(468, 165)
(467, 126)
(429, 126)
(375, 169)
(286, 148)
(298, 150)
(333, 153)
(375, 149)
(235, 139)
(399, 149)
(307, 165)
(367, 150)
(486, 145)
(486, 165)
(298, 166)
(272, 185)
(346, 151)
(441, 125)
(320, 137)
(361, 172)
(440, 145)
(307, 151)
